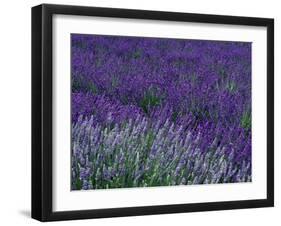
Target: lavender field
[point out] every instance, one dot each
(159, 112)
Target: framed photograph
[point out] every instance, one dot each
(145, 112)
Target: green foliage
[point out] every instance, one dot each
(175, 116)
(149, 100)
(137, 54)
(192, 78)
(98, 62)
(179, 63)
(222, 72)
(79, 83)
(246, 122)
(78, 184)
(80, 45)
(114, 81)
(231, 86)
(149, 140)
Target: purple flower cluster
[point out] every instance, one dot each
(155, 111)
(143, 153)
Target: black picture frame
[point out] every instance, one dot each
(42, 111)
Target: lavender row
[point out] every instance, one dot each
(209, 79)
(103, 110)
(142, 152)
